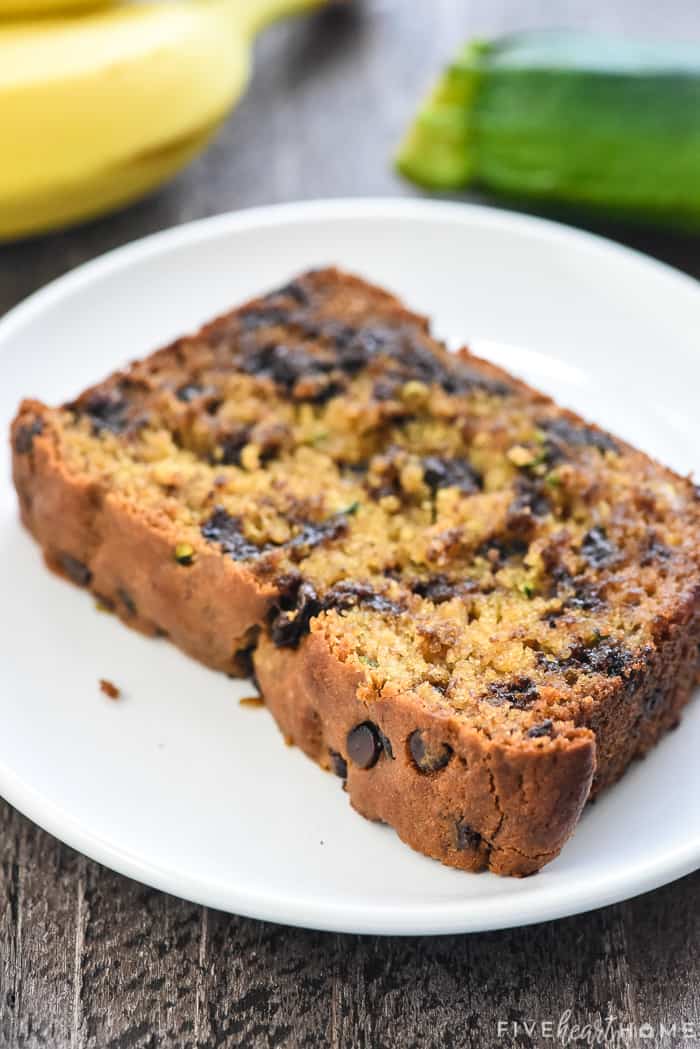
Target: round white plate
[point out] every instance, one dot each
(179, 786)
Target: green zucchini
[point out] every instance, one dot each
(568, 118)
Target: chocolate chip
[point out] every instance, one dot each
(597, 549)
(24, 438)
(225, 530)
(586, 596)
(603, 657)
(339, 765)
(364, 745)
(350, 594)
(428, 757)
(76, 570)
(520, 693)
(289, 624)
(437, 588)
(107, 411)
(653, 550)
(299, 603)
(450, 473)
(355, 348)
(467, 837)
(270, 437)
(409, 358)
(608, 658)
(232, 444)
(264, 317)
(385, 477)
(127, 600)
(313, 533)
(577, 435)
(285, 365)
(293, 290)
(468, 378)
(418, 361)
(530, 498)
(505, 548)
(542, 728)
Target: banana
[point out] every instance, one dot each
(97, 110)
(30, 8)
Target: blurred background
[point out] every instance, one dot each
(331, 95)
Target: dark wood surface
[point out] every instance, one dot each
(91, 959)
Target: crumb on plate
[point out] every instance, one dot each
(109, 689)
(251, 701)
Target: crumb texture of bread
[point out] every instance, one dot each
(472, 606)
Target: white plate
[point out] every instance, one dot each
(180, 787)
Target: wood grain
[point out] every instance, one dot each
(91, 960)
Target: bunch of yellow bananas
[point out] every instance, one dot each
(101, 100)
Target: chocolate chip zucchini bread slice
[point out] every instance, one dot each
(469, 604)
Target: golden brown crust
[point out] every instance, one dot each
(522, 803)
(645, 707)
(492, 806)
(210, 610)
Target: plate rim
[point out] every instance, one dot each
(328, 208)
(483, 915)
(488, 912)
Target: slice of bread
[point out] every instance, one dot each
(471, 605)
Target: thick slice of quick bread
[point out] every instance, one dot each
(469, 604)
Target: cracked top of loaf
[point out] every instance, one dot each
(451, 532)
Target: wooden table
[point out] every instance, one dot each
(91, 959)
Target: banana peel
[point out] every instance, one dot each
(100, 108)
(33, 8)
